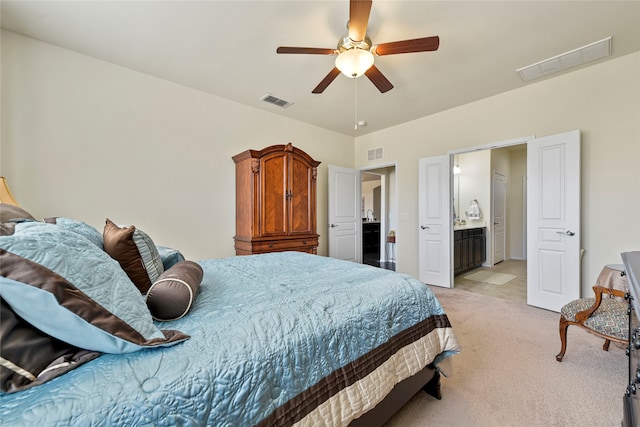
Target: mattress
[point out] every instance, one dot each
(276, 339)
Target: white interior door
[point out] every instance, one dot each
(345, 231)
(498, 213)
(435, 221)
(553, 220)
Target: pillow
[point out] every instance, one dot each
(170, 297)
(135, 252)
(68, 288)
(30, 357)
(15, 213)
(169, 256)
(79, 227)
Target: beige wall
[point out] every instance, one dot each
(367, 196)
(501, 162)
(601, 100)
(475, 184)
(87, 139)
(516, 205)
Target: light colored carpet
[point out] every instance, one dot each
(490, 277)
(507, 374)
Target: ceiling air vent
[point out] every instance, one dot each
(579, 56)
(375, 154)
(276, 101)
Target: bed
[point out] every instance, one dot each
(274, 339)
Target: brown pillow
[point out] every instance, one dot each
(31, 357)
(136, 253)
(170, 297)
(9, 212)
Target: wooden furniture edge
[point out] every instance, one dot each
(583, 315)
(427, 379)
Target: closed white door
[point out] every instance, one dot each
(435, 218)
(498, 213)
(345, 234)
(553, 220)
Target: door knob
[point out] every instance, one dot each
(424, 227)
(333, 225)
(568, 232)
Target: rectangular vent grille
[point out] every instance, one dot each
(579, 56)
(276, 101)
(375, 154)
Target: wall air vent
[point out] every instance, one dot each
(375, 154)
(276, 101)
(573, 58)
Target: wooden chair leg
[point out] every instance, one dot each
(564, 325)
(605, 347)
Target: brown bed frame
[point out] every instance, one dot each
(427, 379)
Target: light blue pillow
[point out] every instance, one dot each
(169, 256)
(79, 227)
(67, 287)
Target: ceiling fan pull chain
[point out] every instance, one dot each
(355, 113)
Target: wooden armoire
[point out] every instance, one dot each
(275, 201)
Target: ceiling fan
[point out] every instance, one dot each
(355, 52)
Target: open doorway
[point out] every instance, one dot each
(553, 220)
(489, 201)
(379, 219)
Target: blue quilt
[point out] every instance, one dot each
(265, 329)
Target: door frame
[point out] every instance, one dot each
(394, 208)
(490, 146)
(382, 213)
(493, 217)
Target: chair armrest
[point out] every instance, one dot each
(581, 316)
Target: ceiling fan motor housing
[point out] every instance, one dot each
(345, 43)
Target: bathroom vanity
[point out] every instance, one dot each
(370, 241)
(469, 247)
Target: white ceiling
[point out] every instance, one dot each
(228, 48)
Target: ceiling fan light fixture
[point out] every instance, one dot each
(354, 62)
(355, 51)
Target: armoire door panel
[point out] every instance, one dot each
(301, 180)
(273, 189)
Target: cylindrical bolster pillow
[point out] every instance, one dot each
(170, 297)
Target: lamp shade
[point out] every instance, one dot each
(354, 62)
(5, 193)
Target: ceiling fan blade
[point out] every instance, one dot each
(307, 50)
(378, 79)
(424, 44)
(358, 19)
(326, 81)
